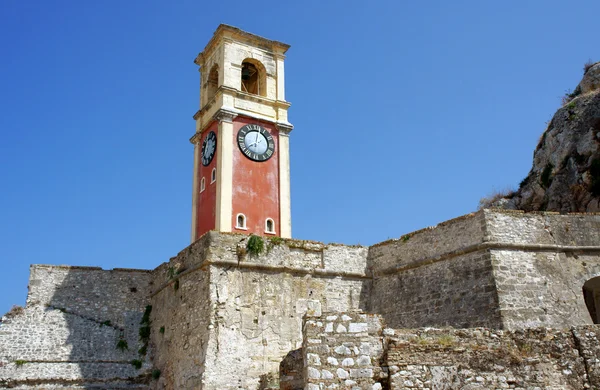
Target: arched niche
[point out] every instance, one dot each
(212, 83)
(591, 294)
(253, 77)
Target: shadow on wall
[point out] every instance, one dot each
(96, 315)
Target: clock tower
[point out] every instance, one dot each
(241, 146)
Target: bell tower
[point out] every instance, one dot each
(241, 146)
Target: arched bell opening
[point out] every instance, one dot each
(253, 77)
(212, 84)
(591, 295)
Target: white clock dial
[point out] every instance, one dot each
(256, 142)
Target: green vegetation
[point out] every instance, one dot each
(570, 95)
(405, 238)
(136, 363)
(176, 285)
(105, 323)
(447, 340)
(546, 177)
(273, 242)
(146, 316)
(162, 330)
(19, 362)
(255, 245)
(588, 65)
(144, 331)
(155, 373)
(122, 345)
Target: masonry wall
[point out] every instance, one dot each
(69, 330)
(350, 351)
(542, 265)
(538, 358)
(494, 268)
(235, 317)
(436, 277)
(344, 351)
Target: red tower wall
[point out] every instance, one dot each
(206, 200)
(255, 184)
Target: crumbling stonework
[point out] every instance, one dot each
(370, 357)
(343, 350)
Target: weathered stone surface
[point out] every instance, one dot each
(347, 348)
(565, 176)
(223, 319)
(69, 330)
(479, 358)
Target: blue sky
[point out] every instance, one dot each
(405, 114)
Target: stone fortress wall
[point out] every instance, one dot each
(230, 318)
(355, 351)
(69, 330)
(225, 319)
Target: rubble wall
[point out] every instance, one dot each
(69, 330)
(350, 351)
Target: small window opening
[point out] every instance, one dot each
(202, 185)
(212, 83)
(591, 295)
(240, 221)
(269, 226)
(213, 175)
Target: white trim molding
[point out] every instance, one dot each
(267, 230)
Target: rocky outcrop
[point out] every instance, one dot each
(565, 176)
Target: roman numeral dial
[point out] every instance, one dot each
(255, 142)
(209, 146)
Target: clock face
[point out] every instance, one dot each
(256, 142)
(209, 146)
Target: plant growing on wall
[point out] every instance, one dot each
(255, 245)
(122, 345)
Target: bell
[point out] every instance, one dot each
(245, 73)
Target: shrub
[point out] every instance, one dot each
(588, 65)
(162, 330)
(19, 362)
(15, 311)
(143, 350)
(107, 323)
(136, 363)
(568, 96)
(122, 345)
(155, 373)
(144, 332)
(146, 316)
(255, 245)
(495, 196)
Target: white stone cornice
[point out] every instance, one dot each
(225, 115)
(284, 128)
